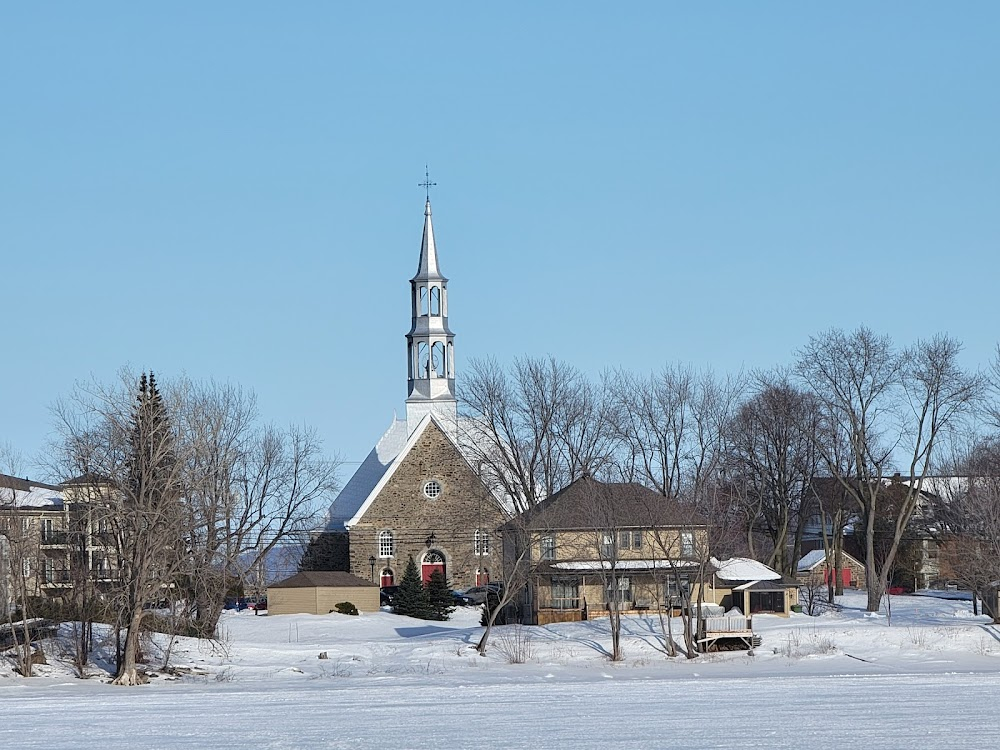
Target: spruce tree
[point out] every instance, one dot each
(439, 597)
(411, 599)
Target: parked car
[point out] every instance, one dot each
(461, 599)
(386, 595)
(477, 594)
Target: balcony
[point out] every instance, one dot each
(56, 578)
(55, 538)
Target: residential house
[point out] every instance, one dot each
(35, 554)
(596, 544)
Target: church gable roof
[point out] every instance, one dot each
(360, 486)
(414, 438)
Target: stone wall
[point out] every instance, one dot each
(449, 520)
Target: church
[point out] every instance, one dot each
(416, 495)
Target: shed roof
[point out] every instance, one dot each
(743, 569)
(321, 578)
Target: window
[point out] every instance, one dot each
(630, 540)
(607, 545)
(386, 546)
(423, 360)
(565, 593)
(432, 490)
(620, 591)
(423, 300)
(482, 542)
(675, 590)
(435, 300)
(687, 544)
(548, 548)
(26, 567)
(438, 369)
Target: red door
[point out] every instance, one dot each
(427, 570)
(386, 578)
(433, 560)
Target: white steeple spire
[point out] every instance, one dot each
(430, 343)
(428, 266)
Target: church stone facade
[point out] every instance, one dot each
(416, 495)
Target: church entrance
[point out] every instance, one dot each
(387, 577)
(433, 560)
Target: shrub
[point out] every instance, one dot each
(346, 608)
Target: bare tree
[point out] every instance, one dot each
(18, 562)
(671, 427)
(193, 493)
(248, 490)
(772, 457)
(884, 405)
(534, 429)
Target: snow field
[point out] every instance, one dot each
(394, 682)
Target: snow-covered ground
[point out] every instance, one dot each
(393, 682)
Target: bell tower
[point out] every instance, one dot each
(430, 348)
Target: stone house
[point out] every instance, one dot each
(594, 544)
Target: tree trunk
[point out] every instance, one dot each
(207, 614)
(127, 672)
(876, 587)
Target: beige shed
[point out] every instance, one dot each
(317, 592)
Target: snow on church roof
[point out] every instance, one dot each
(359, 487)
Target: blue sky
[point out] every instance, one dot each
(230, 191)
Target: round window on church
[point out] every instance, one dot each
(432, 490)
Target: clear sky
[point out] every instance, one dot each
(229, 190)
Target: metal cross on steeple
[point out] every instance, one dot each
(427, 184)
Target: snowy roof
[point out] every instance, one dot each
(817, 556)
(743, 569)
(360, 486)
(811, 560)
(36, 497)
(619, 565)
(376, 470)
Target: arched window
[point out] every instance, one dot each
(437, 359)
(482, 542)
(435, 300)
(386, 545)
(423, 360)
(423, 300)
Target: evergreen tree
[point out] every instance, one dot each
(411, 599)
(441, 602)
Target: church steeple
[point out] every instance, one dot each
(430, 343)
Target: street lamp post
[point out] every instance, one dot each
(371, 561)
